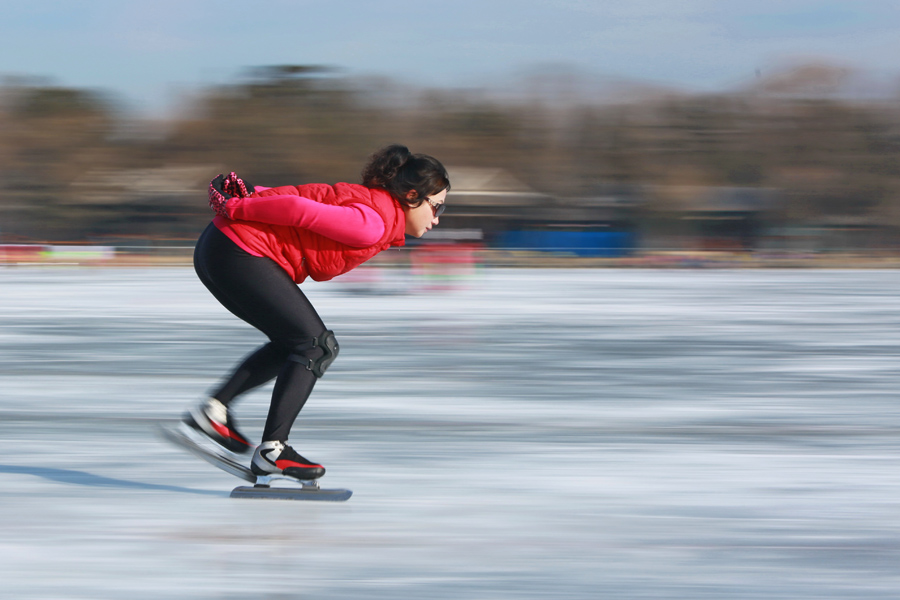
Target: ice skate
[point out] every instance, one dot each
(213, 419)
(262, 483)
(277, 458)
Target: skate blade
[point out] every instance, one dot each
(292, 493)
(181, 437)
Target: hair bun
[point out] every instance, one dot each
(399, 171)
(386, 164)
(396, 156)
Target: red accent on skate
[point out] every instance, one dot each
(284, 464)
(227, 433)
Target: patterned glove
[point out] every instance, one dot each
(222, 188)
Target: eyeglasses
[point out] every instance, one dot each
(436, 207)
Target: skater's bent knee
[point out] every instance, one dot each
(319, 354)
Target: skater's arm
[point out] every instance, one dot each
(356, 225)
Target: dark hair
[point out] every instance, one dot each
(395, 169)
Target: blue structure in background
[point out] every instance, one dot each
(600, 244)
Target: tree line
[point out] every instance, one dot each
(71, 162)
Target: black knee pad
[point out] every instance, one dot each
(329, 345)
(330, 348)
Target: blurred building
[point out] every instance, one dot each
(610, 219)
(489, 201)
(493, 206)
(707, 218)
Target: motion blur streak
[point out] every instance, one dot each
(799, 163)
(538, 434)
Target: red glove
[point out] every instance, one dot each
(222, 188)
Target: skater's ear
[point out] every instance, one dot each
(412, 195)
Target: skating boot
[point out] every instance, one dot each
(277, 458)
(212, 419)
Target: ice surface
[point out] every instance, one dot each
(533, 434)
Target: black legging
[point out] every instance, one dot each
(261, 293)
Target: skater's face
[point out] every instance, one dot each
(422, 218)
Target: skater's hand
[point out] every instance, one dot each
(217, 198)
(223, 188)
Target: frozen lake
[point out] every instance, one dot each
(532, 434)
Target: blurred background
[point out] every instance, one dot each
(511, 427)
(648, 134)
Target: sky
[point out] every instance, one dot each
(151, 54)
